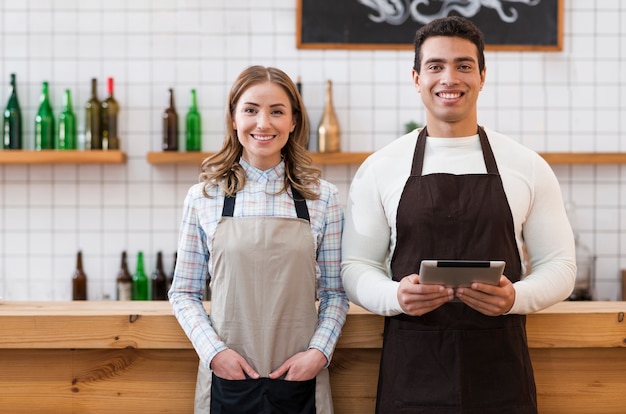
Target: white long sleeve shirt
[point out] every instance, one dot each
(533, 193)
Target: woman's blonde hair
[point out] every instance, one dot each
(223, 169)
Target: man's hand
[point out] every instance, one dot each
(417, 299)
(487, 299)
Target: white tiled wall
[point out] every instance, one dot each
(555, 101)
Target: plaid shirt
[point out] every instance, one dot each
(200, 218)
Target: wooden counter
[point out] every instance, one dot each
(132, 357)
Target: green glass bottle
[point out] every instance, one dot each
(12, 129)
(140, 281)
(44, 122)
(194, 125)
(93, 119)
(66, 133)
(110, 109)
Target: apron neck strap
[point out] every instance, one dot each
(301, 209)
(420, 149)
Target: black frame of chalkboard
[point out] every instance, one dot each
(315, 29)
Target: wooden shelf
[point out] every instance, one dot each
(359, 157)
(174, 157)
(584, 157)
(61, 157)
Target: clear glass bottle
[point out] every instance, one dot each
(93, 119)
(170, 125)
(44, 121)
(328, 131)
(110, 110)
(12, 128)
(124, 281)
(193, 121)
(66, 133)
(585, 260)
(141, 288)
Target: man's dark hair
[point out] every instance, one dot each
(451, 26)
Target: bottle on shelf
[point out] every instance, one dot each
(66, 133)
(110, 109)
(170, 125)
(328, 131)
(44, 121)
(12, 128)
(159, 280)
(141, 288)
(93, 119)
(124, 281)
(193, 132)
(79, 279)
(170, 277)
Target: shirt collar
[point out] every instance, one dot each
(255, 174)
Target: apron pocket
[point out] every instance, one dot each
(262, 396)
(427, 369)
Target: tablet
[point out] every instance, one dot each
(454, 273)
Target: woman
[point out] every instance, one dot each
(266, 230)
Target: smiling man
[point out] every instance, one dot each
(455, 191)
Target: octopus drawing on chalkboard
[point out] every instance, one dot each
(396, 12)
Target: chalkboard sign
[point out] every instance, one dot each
(391, 24)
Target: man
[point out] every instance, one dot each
(453, 191)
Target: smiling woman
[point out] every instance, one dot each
(265, 230)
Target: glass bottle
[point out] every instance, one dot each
(140, 281)
(110, 109)
(93, 119)
(44, 122)
(194, 125)
(170, 125)
(79, 280)
(170, 277)
(328, 131)
(159, 280)
(66, 133)
(12, 128)
(124, 281)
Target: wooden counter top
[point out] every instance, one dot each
(151, 325)
(133, 357)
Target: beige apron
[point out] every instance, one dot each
(263, 291)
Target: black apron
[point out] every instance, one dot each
(455, 359)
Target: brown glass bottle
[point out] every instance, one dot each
(124, 281)
(158, 280)
(170, 125)
(79, 280)
(93, 119)
(110, 109)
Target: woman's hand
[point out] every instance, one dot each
(229, 365)
(302, 366)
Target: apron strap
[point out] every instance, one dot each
(229, 206)
(420, 149)
(301, 209)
